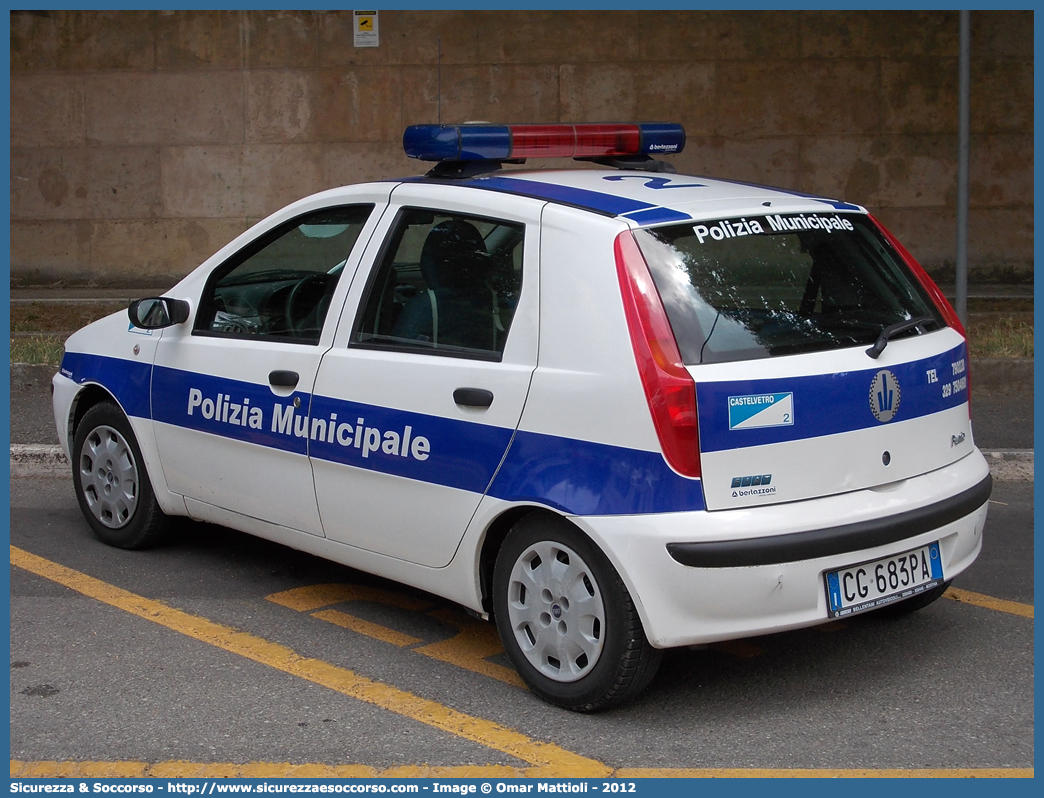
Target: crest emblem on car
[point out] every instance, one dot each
(884, 395)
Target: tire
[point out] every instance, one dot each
(898, 609)
(566, 619)
(112, 485)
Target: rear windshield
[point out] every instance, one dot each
(763, 286)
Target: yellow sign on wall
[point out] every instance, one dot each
(366, 29)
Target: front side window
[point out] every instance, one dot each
(280, 286)
(762, 286)
(446, 284)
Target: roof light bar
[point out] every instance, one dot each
(508, 142)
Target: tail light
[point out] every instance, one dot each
(669, 388)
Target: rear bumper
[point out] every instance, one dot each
(816, 543)
(699, 577)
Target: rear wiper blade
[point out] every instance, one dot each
(894, 329)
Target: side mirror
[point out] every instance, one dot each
(158, 312)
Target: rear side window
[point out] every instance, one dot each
(755, 287)
(446, 284)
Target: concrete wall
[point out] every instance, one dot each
(143, 141)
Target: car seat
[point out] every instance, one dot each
(458, 307)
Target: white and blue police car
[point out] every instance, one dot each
(616, 409)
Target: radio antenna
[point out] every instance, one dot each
(440, 77)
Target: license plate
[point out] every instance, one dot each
(873, 584)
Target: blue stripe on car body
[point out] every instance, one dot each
(172, 402)
(644, 213)
(585, 478)
(824, 403)
(836, 204)
(608, 204)
(463, 454)
(126, 380)
(649, 216)
(574, 476)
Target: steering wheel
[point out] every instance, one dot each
(304, 304)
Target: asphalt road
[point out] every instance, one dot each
(141, 662)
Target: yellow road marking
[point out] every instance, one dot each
(549, 759)
(312, 597)
(990, 603)
(277, 770)
(469, 649)
(368, 628)
(822, 773)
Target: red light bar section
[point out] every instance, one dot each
(597, 140)
(574, 141)
(542, 141)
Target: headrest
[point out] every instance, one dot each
(454, 256)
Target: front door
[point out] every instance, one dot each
(225, 392)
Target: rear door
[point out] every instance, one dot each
(416, 403)
(774, 316)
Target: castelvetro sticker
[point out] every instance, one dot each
(761, 410)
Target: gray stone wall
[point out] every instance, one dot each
(143, 141)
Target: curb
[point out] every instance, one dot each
(46, 460)
(1014, 465)
(31, 377)
(1002, 374)
(38, 460)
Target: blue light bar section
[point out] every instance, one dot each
(662, 138)
(431, 142)
(484, 142)
(457, 142)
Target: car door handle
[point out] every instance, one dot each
(473, 397)
(283, 379)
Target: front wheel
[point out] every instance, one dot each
(112, 486)
(566, 619)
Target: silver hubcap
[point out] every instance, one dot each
(556, 611)
(109, 477)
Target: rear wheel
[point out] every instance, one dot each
(897, 609)
(112, 486)
(566, 619)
